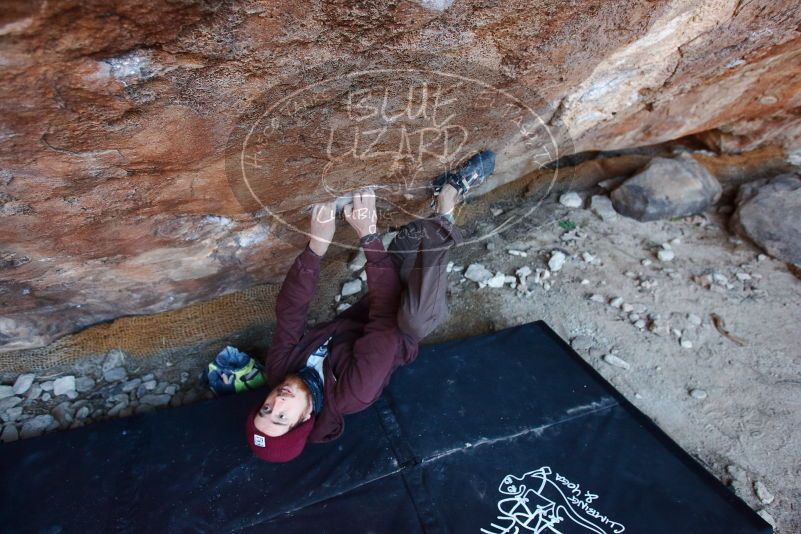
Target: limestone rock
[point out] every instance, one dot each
(769, 214)
(9, 434)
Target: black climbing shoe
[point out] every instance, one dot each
(470, 175)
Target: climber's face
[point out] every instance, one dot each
(287, 405)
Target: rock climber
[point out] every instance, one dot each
(342, 366)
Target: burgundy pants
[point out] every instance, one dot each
(420, 252)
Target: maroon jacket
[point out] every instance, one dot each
(366, 345)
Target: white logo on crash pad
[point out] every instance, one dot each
(259, 441)
(544, 502)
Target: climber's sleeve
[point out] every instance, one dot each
(374, 353)
(291, 308)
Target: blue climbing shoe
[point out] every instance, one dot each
(470, 175)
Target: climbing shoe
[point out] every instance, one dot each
(470, 175)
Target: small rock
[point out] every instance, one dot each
(47, 386)
(63, 385)
(115, 374)
(63, 414)
(36, 426)
(184, 377)
(114, 358)
(693, 319)
(595, 297)
(117, 408)
(699, 394)
(9, 434)
(743, 277)
(82, 413)
(496, 211)
(490, 246)
(571, 200)
(351, 287)
(581, 343)
(449, 267)
(557, 261)
(646, 262)
(763, 493)
(585, 282)
(171, 389)
(665, 255)
(587, 257)
(667, 188)
(84, 384)
(616, 302)
(686, 343)
(10, 402)
(761, 257)
(131, 385)
(155, 400)
(34, 392)
(342, 307)
(477, 273)
(150, 385)
(23, 383)
(46, 397)
(602, 207)
(496, 281)
(611, 359)
(519, 253)
(12, 414)
(640, 323)
(627, 308)
(6, 391)
(363, 276)
(148, 377)
(634, 317)
(764, 514)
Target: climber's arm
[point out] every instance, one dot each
(298, 289)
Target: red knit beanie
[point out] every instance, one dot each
(279, 449)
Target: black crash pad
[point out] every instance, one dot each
(510, 432)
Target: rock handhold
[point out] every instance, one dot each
(768, 214)
(665, 188)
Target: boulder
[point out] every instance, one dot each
(118, 115)
(665, 188)
(769, 214)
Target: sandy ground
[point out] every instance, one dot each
(747, 430)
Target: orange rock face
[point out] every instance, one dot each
(154, 153)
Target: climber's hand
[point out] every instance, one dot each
(323, 224)
(361, 213)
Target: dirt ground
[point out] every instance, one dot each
(747, 429)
